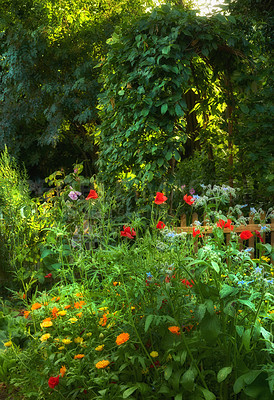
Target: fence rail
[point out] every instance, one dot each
(206, 229)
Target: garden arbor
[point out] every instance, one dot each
(170, 87)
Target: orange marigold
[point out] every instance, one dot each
(174, 329)
(54, 312)
(102, 364)
(63, 370)
(35, 306)
(26, 313)
(122, 338)
(67, 307)
(78, 356)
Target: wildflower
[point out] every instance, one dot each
(187, 283)
(61, 348)
(160, 198)
(26, 314)
(245, 235)
(45, 337)
(100, 348)
(88, 334)
(78, 356)
(73, 320)
(128, 232)
(259, 236)
(149, 275)
(188, 199)
(8, 344)
(54, 312)
(63, 371)
(116, 283)
(192, 191)
(122, 338)
(160, 225)
(67, 341)
(46, 323)
(48, 275)
(79, 304)
(67, 307)
(196, 232)
(78, 340)
(62, 313)
(73, 195)
(53, 381)
(36, 306)
(155, 364)
(79, 294)
(92, 195)
(174, 329)
(223, 224)
(103, 320)
(79, 315)
(154, 354)
(102, 364)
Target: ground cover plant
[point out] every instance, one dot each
(138, 310)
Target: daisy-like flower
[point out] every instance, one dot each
(36, 306)
(100, 348)
(67, 341)
(122, 338)
(78, 340)
(154, 354)
(102, 364)
(174, 329)
(62, 313)
(45, 337)
(8, 344)
(46, 323)
(78, 356)
(73, 320)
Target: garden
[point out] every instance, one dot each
(140, 264)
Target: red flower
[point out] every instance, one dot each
(128, 232)
(92, 195)
(53, 381)
(160, 198)
(245, 235)
(155, 364)
(259, 236)
(187, 283)
(223, 224)
(48, 275)
(196, 232)
(188, 199)
(160, 225)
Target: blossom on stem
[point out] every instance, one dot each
(160, 198)
(160, 225)
(245, 235)
(188, 199)
(92, 195)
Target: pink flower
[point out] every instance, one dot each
(160, 198)
(74, 194)
(188, 199)
(245, 235)
(160, 225)
(92, 195)
(128, 232)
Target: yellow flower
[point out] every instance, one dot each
(100, 348)
(154, 354)
(67, 341)
(78, 340)
(73, 320)
(61, 348)
(62, 313)
(8, 344)
(63, 370)
(78, 356)
(102, 364)
(88, 334)
(45, 337)
(122, 338)
(46, 324)
(103, 308)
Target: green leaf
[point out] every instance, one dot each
(187, 380)
(168, 372)
(149, 319)
(248, 303)
(215, 266)
(246, 339)
(168, 155)
(150, 176)
(164, 108)
(178, 397)
(179, 111)
(166, 50)
(223, 373)
(129, 391)
(177, 155)
(207, 394)
(160, 161)
(227, 290)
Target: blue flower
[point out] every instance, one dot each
(149, 274)
(258, 270)
(263, 228)
(253, 210)
(171, 234)
(244, 205)
(195, 196)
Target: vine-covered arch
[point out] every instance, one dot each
(167, 85)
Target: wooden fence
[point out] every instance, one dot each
(205, 229)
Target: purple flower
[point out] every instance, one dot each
(73, 195)
(75, 170)
(192, 191)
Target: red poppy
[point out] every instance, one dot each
(128, 232)
(223, 224)
(92, 195)
(53, 381)
(245, 235)
(160, 198)
(48, 275)
(196, 232)
(259, 236)
(187, 283)
(160, 225)
(188, 199)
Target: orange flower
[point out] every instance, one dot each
(24, 296)
(26, 314)
(102, 364)
(63, 371)
(35, 306)
(79, 314)
(174, 329)
(79, 294)
(54, 312)
(78, 356)
(66, 307)
(116, 283)
(103, 321)
(122, 338)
